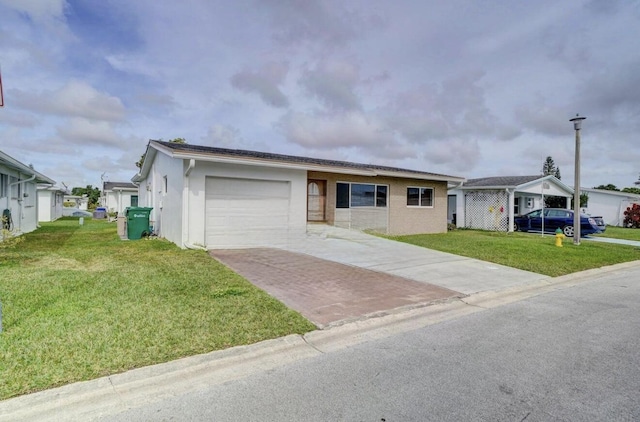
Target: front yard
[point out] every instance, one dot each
(79, 303)
(532, 252)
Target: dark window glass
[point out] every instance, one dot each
(381, 196)
(342, 195)
(363, 195)
(413, 196)
(426, 197)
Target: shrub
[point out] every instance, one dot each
(632, 216)
(7, 238)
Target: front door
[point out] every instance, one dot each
(316, 200)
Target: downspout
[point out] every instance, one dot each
(185, 207)
(511, 203)
(19, 199)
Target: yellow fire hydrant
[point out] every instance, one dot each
(559, 237)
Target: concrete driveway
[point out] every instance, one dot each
(335, 275)
(465, 275)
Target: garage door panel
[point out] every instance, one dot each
(246, 212)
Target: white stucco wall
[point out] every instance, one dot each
(610, 205)
(22, 201)
(184, 194)
(166, 215)
(49, 205)
(118, 200)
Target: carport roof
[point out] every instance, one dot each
(118, 185)
(500, 181)
(519, 183)
(188, 151)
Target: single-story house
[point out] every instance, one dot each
(116, 196)
(50, 203)
(77, 201)
(18, 197)
(225, 198)
(609, 204)
(490, 203)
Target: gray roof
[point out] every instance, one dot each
(23, 168)
(289, 158)
(501, 181)
(112, 185)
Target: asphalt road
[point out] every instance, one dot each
(567, 355)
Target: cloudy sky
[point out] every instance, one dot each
(470, 88)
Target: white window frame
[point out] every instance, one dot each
(375, 198)
(420, 190)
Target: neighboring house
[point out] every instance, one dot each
(224, 198)
(609, 204)
(117, 196)
(50, 203)
(79, 202)
(18, 184)
(490, 203)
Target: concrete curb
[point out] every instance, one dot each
(109, 395)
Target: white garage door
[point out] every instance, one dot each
(246, 212)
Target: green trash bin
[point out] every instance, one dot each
(137, 222)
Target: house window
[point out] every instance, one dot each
(419, 197)
(165, 185)
(351, 195)
(516, 206)
(342, 195)
(134, 200)
(381, 196)
(4, 185)
(16, 190)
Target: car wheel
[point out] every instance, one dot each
(516, 227)
(568, 231)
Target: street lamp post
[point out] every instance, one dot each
(577, 123)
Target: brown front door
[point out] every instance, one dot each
(316, 200)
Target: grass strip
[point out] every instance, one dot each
(79, 303)
(526, 251)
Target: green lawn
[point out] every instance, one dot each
(79, 303)
(527, 251)
(621, 233)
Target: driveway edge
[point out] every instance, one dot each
(110, 395)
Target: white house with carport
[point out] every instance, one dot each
(117, 196)
(50, 203)
(18, 194)
(609, 204)
(491, 203)
(224, 198)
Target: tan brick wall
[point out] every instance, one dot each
(402, 219)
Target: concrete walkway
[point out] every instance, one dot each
(454, 272)
(612, 240)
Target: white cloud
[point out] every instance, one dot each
(222, 136)
(38, 10)
(334, 83)
(75, 98)
(265, 82)
(453, 87)
(327, 131)
(86, 132)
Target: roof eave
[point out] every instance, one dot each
(209, 157)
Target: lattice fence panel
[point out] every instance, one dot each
(487, 210)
